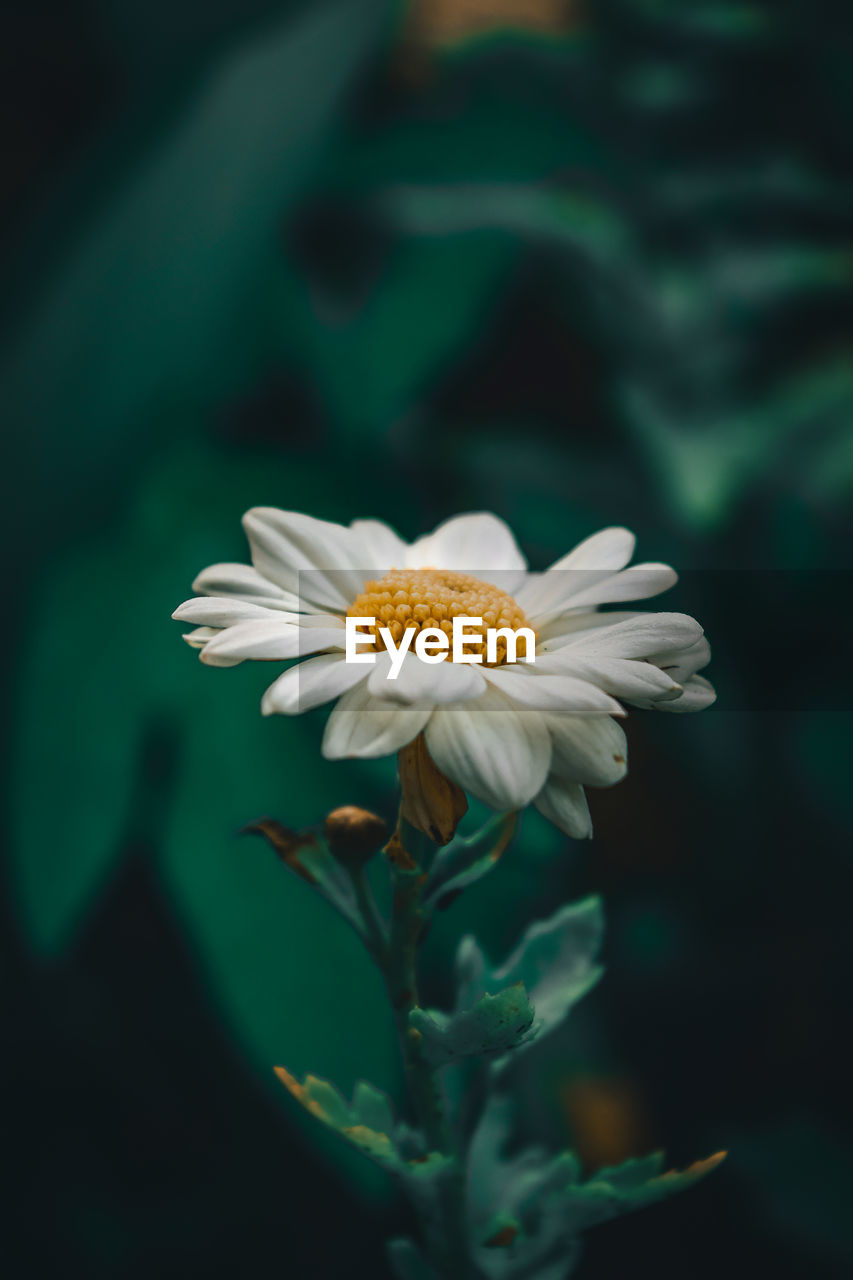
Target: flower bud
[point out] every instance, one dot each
(354, 835)
(431, 802)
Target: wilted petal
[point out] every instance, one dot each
(429, 800)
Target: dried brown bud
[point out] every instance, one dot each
(354, 835)
(431, 802)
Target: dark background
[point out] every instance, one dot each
(576, 264)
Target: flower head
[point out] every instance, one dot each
(508, 732)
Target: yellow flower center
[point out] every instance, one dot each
(417, 599)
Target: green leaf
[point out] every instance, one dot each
(554, 962)
(544, 1200)
(466, 860)
(368, 1123)
(494, 1025)
(309, 857)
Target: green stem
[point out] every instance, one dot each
(402, 982)
(447, 1239)
(395, 953)
(374, 936)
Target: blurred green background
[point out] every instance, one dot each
(576, 263)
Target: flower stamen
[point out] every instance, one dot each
(420, 599)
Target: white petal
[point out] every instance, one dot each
(362, 726)
(564, 804)
(681, 664)
(591, 749)
(383, 548)
(331, 620)
(244, 582)
(490, 748)
(556, 632)
(698, 694)
(270, 640)
(620, 677)
(638, 637)
(596, 557)
(311, 683)
(638, 582)
(584, 589)
(424, 682)
(198, 639)
(478, 543)
(320, 562)
(225, 611)
(544, 691)
(609, 549)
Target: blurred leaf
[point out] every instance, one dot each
(726, 21)
(155, 301)
(798, 1177)
(104, 662)
(707, 465)
(377, 362)
(540, 213)
(407, 1261)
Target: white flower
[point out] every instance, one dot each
(509, 734)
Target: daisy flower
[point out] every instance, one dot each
(509, 733)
